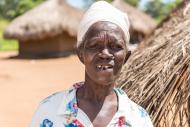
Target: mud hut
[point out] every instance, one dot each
(48, 30)
(141, 24)
(158, 77)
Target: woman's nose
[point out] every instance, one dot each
(105, 54)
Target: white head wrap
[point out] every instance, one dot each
(103, 11)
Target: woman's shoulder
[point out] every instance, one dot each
(130, 107)
(141, 114)
(133, 105)
(55, 99)
(51, 106)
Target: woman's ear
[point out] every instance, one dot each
(80, 52)
(127, 56)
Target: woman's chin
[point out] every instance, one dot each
(105, 82)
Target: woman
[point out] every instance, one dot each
(102, 47)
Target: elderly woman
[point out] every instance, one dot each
(102, 47)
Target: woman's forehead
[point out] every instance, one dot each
(104, 27)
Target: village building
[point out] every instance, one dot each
(142, 24)
(50, 29)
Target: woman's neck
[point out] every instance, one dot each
(95, 92)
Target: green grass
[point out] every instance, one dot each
(6, 45)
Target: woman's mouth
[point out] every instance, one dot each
(103, 67)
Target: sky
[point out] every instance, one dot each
(76, 3)
(81, 3)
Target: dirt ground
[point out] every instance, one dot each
(24, 83)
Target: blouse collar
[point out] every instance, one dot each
(71, 107)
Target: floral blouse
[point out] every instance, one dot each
(61, 110)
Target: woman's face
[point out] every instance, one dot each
(104, 52)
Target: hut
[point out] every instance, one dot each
(141, 24)
(158, 76)
(48, 30)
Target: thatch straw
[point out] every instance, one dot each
(47, 20)
(140, 21)
(55, 16)
(158, 77)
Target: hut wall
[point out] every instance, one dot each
(136, 36)
(56, 46)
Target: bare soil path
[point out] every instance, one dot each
(24, 83)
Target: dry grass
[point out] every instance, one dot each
(158, 77)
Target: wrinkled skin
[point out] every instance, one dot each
(103, 52)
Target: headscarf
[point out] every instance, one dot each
(103, 11)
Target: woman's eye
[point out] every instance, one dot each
(93, 46)
(117, 47)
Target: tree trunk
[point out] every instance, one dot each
(157, 76)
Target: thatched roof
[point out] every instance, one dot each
(140, 21)
(55, 16)
(158, 77)
(48, 19)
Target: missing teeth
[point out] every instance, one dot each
(101, 67)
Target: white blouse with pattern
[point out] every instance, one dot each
(61, 110)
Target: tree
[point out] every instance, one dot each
(133, 2)
(159, 10)
(10, 9)
(6, 6)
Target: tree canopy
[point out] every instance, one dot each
(10, 9)
(159, 10)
